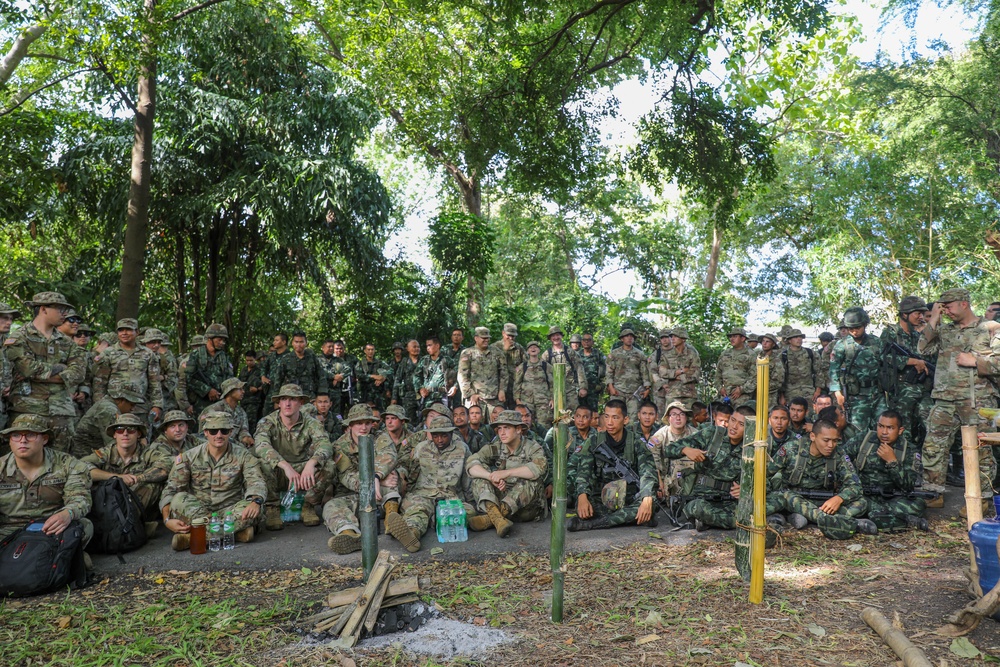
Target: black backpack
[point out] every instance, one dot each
(33, 563)
(117, 516)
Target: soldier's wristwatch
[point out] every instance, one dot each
(258, 500)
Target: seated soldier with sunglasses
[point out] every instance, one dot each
(218, 476)
(141, 466)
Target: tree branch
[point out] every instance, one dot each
(102, 67)
(196, 8)
(333, 50)
(25, 96)
(18, 50)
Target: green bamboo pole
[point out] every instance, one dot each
(744, 510)
(558, 492)
(367, 509)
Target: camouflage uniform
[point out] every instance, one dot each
(574, 445)
(204, 372)
(474, 440)
(149, 464)
(307, 439)
(454, 355)
(823, 364)
(404, 392)
(139, 366)
(900, 476)
(306, 372)
(775, 375)
(533, 388)
(91, 431)
(252, 401)
(271, 369)
(910, 398)
(190, 442)
(435, 474)
(737, 369)
(673, 473)
(331, 422)
(241, 422)
(677, 384)
(513, 357)
(199, 486)
(797, 468)
(576, 376)
(801, 373)
(854, 372)
(628, 371)
(368, 392)
(482, 373)
(6, 370)
(33, 357)
(594, 368)
(432, 374)
(593, 472)
(525, 498)
(345, 393)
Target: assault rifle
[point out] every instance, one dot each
(622, 470)
(913, 376)
(873, 491)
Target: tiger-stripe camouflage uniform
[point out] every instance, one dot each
(432, 375)
(595, 369)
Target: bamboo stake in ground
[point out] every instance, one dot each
(367, 509)
(744, 509)
(973, 497)
(897, 641)
(558, 535)
(759, 487)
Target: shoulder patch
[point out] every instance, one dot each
(179, 459)
(781, 451)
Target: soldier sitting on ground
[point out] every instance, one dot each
(577, 434)
(92, 431)
(176, 436)
(396, 437)
(322, 409)
(508, 477)
(670, 471)
(232, 394)
(798, 416)
(216, 477)
(474, 439)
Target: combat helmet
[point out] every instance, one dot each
(856, 317)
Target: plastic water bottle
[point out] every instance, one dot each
(440, 520)
(450, 525)
(291, 506)
(215, 532)
(229, 532)
(461, 530)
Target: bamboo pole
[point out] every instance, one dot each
(367, 509)
(759, 483)
(744, 510)
(973, 495)
(897, 641)
(558, 537)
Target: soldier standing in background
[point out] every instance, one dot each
(7, 317)
(681, 371)
(576, 376)
(533, 385)
(374, 378)
(906, 378)
(208, 367)
(127, 362)
(515, 355)
(270, 368)
(594, 367)
(854, 369)
(628, 373)
(825, 353)
(302, 368)
(736, 370)
(156, 342)
(430, 377)
(658, 357)
(183, 401)
(801, 369)
(253, 391)
(482, 373)
(404, 392)
(775, 369)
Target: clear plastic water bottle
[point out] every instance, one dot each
(291, 506)
(461, 530)
(229, 532)
(215, 532)
(449, 526)
(440, 520)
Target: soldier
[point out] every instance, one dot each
(967, 348)
(207, 367)
(628, 373)
(7, 317)
(775, 369)
(801, 369)
(253, 388)
(404, 392)
(47, 368)
(293, 449)
(736, 370)
(270, 368)
(798, 414)
(156, 342)
(341, 372)
(430, 378)
(778, 433)
(84, 398)
(576, 376)
(176, 437)
(142, 467)
(594, 367)
(508, 477)
(69, 328)
(437, 472)
(477, 423)
(825, 354)
(398, 352)
(514, 354)
(753, 341)
(824, 400)
(39, 483)
(232, 394)
(482, 372)
(906, 379)
(399, 439)
(181, 393)
(128, 362)
(889, 468)
(302, 368)
(322, 409)
(854, 370)
(577, 434)
(92, 431)
(621, 501)
(680, 369)
(817, 465)
(671, 473)
(531, 429)
(533, 384)
(659, 356)
(341, 513)
(374, 378)
(645, 424)
(219, 476)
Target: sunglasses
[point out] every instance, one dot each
(74, 320)
(126, 429)
(81, 334)
(217, 431)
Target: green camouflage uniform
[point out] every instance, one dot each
(953, 387)
(204, 372)
(168, 379)
(150, 465)
(91, 431)
(32, 357)
(593, 472)
(181, 393)
(341, 513)
(331, 422)
(910, 398)
(404, 392)
(252, 401)
(775, 377)
(199, 486)
(474, 440)
(435, 474)
(823, 367)
(737, 369)
(676, 384)
(576, 375)
(533, 388)
(482, 373)
(432, 375)
(797, 468)
(525, 498)
(345, 393)
(900, 476)
(672, 473)
(594, 368)
(63, 483)
(801, 373)
(271, 369)
(854, 372)
(241, 422)
(628, 371)
(306, 372)
(368, 392)
(454, 354)
(307, 439)
(574, 445)
(139, 367)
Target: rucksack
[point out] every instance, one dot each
(33, 563)
(117, 516)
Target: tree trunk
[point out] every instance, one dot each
(137, 216)
(18, 50)
(472, 201)
(713, 258)
(232, 249)
(196, 278)
(180, 288)
(212, 279)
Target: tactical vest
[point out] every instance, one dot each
(800, 467)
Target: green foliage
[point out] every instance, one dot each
(462, 244)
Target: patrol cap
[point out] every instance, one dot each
(152, 334)
(28, 424)
(482, 332)
(680, 332)
(362, 412)
(626, 332)
(555, 330)
(108, 338)
(955, 294)
(437, 407)
(177, 416)
(398, 346)
(396, 411)
(127, 323)
(440, 425)
(126, 390)
(510, 329)
(737, 331)
(826, 337)
(129, 420)
(214, 420)
(215, 330)
(666, 333)
(508, 417)
(575, 338)
(197, 340)
(5, 309)
(84, 328)
(533, 342)
(48, 299)
(794, 333)
(230, 385)
(912, 304)
(286, 391)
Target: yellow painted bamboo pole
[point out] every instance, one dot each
(759, 483)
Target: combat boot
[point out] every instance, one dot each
(245, 535)
(964, 511)
(917, 522)
(502, 524)
(150, 527)
(574, 524)
(272, 518)
(390, 507)
(479, 522)
(797, 521)
(396, 526)
(309, 516)
(866, 526)
(346, 542)
(180, 542)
